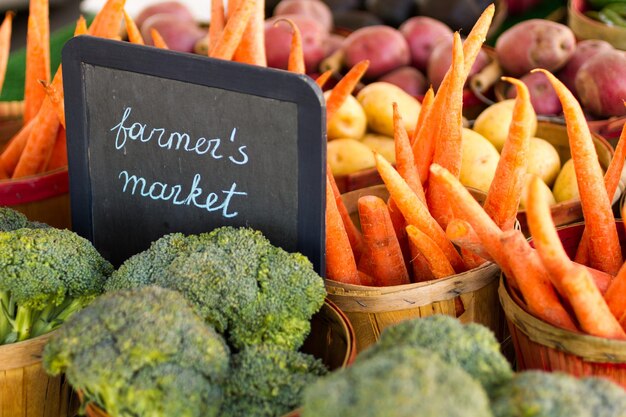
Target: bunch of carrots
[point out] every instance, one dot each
(404, 239)
(430, 214)
(40, 145)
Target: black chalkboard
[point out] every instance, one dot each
(162, 142)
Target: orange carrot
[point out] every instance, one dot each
(58, 158)
(233, 31)
(604, 249)
(5, 44)
(366, 279)
(36, 70)
(106, 24)
(81, 26)
(427, 103)
(506, 188)
(533, 281)
(426, 137)
(463, 235)
(3, 174)
(469, 209)
(437, 261)
(415, 212)
(405, 164)
(399, 225)
(39, 10)
(448, 144)
(216, 27)
(251, 50)
(344, 88)
(615, 296)
(576, 282)
(323, 79)
(340, 263)
(157, 39)
(384, 255)
(296, 55)
(354, 235)
(419, 263)
(56, 97)
(40, 142)
(611, 181)
(11, 154)
(134, 35)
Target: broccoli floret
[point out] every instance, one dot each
(142, 352)
(267, 381)
(11, 220)
(543, 394)
(46, 275)
(251, 291)
(473, 347)
(404, 382)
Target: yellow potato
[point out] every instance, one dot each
(543, 160)
(546, 193)
(479, 161)
(349, 121)
(565, 187)
(377, 100)
(493, 123)
(346, 156)
(384, 145)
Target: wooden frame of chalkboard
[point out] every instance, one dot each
(114, 68)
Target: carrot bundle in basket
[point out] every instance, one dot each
(5, 45)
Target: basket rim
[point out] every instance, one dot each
(24, 353)
(588, 348)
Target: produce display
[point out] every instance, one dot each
(217, 323)
(609, 12)
(46, 276)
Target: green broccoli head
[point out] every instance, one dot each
(268, 381)
(473, 347)
(543, 394)
(251, 291)
(46, 275)
(12, 220)
(404, 382)
(142, 352)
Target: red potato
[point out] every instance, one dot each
(441, 59)
(584, 51)
(535, 43)
(542, 95)
(169, 7)
(423, 34)
(315, 9)
(278, 41)
(383, 46)
(409, 79)
(601, 84)
(179, 35)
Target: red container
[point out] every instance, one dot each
(539, 345)
(44, 197)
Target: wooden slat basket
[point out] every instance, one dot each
(331, 340)
(539, 345)
(371, 309)
(44, 197)
(25, 388)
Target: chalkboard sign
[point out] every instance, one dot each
(162, 142)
